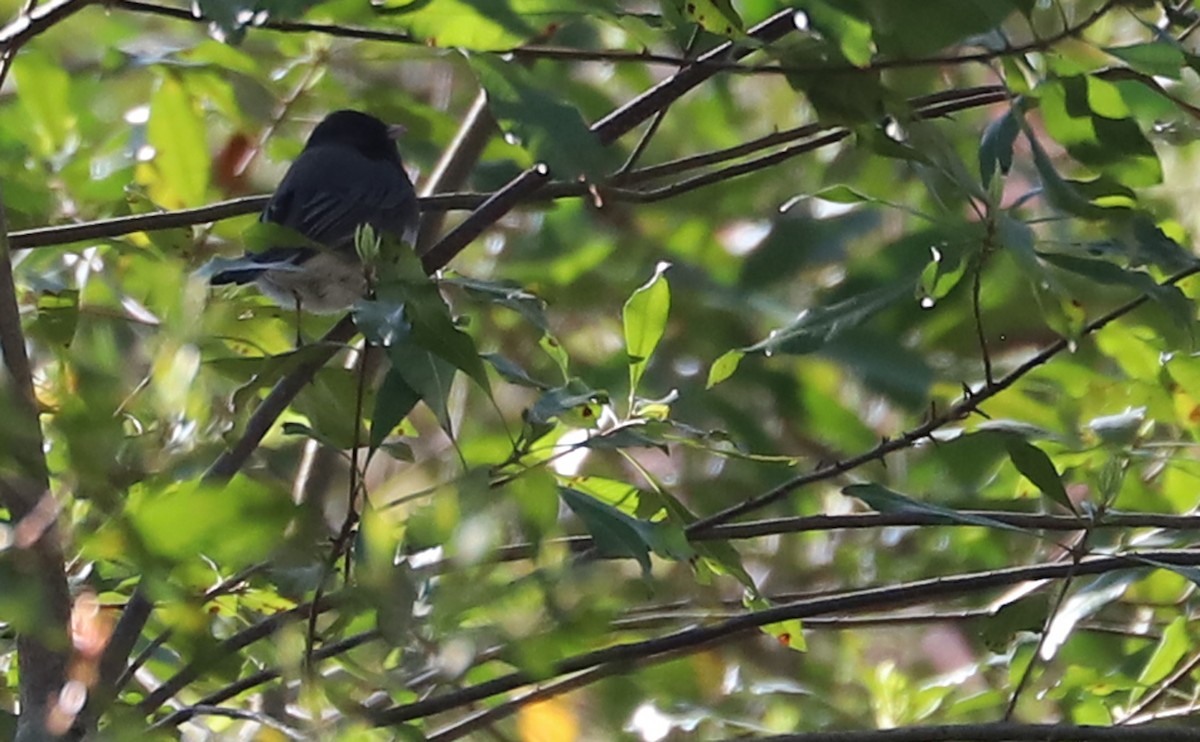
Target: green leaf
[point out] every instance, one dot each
(44, 95)
(575, 403)
(645, 319)
(715, 16)
(941, 274)
(615, 533)
(177, 133)
(1172, 647)
(1090, 118)
(721, 555)
(427, 374)
(816, 327)
(405, 291)
(234, 523)
(57, 317)
(512, 372)
(1060, 192)
(488, 26)
(1162, 58)
(883, 500)
(724, 367)
(911, 28)
(1037, 467)
(393, 401)
(996, 147)
(507, 295)
(852, 34)
(329, 402)
(789, 633)
(528, 112)
(1101, 271)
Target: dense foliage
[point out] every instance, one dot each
(781, 368)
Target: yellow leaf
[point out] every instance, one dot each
(552, 720)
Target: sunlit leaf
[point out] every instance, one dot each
(645, 319)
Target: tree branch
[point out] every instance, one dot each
(699, 637)
(964, 407)
(999, 732)
(25, 492)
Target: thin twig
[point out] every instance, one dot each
(656, 122)
(715, 63)
(114, 227)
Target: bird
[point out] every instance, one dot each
(349, 174)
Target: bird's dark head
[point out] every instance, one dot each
(364, 132)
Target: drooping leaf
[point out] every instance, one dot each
(1037, 467)
(883, 500)
(394, 399)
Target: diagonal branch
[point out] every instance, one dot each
(699, 637)
(963, 408)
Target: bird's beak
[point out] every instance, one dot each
(395, 131)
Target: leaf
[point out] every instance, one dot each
(575, 403)
(553, 718)
(911, 28)
(235, 523)
(1089, 599)
(1090, 118)
(488, 26)
(1162, 58)
(44, 88)
(714, 16)
(1060, 192)
(1037, 467)
(1102, 271)
(721, 555)
(428, 375)
(507, 295)
(816, 327)
(883, 500)
(176, 131)
(1172, 647)
(57, 317)
(540, 121)
(511, 372)
(789, 633)
(996, 147)
(724, 367)
(852, 34)
(645, 319)
(941, 274)
(404, 287)
(393, 401)
(615, 533)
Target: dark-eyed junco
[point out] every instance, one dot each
(349, 174)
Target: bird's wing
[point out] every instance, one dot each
(330, 191)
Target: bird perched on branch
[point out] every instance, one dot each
(348, 175)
